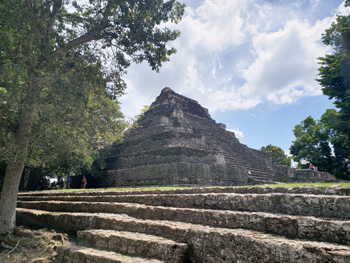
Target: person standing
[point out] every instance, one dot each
(61, 183)
(69, 180)
(83, 182)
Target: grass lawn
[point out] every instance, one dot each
(153, 188)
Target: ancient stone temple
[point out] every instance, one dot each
(178, 143)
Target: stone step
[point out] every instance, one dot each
(197, 190)
(292, 204)
(254, 179)
(302, 227)
(208, 244)
(134, 244)
(249, 163)
(75, 254)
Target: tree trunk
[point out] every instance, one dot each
(8, 200)
(14, 170)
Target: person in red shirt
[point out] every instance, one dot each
(311, 167)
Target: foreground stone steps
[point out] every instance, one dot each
(302, 227)
(291, 204)
(134, 244)
(208, 244)
(198, 225)
(75, 254)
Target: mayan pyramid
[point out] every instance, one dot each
(178, 143)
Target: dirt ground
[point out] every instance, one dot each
(31, 245)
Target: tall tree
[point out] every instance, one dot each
(276, 155)
(36, 36)
(75, 118)
(311, 145)
(334, 76)
(320, 143)
(330, 122)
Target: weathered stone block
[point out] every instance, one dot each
(134, 244)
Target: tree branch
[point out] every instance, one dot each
(56, 6)
(87, 37)
(107, 12)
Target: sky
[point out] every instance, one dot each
(251, 63)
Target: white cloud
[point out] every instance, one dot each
(237, 132)
(236, 55)
(284, 69)
(214, 26)
(342, 10)
(315, 3)
(206, 31)
(231, 99)
(286, 63)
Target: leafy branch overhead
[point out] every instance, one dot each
(59, 56)
(61, 68)
(133, 30)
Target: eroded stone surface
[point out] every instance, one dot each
(209, 244)
(285, 225)
(74, 254)
(293, 204)
(231, 225)
(134, 244)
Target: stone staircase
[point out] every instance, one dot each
(227, 224)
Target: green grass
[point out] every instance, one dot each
(145, 188)
(153, 188)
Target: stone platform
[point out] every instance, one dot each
(229, 224)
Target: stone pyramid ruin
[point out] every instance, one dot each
(178, 143)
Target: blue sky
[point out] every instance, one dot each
(252, 63)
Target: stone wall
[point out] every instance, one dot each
(284, 173)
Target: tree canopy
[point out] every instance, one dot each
(318, 142)
(334, 77)
(311, 145)
(276, 155)
(62, 63)
(340, 155)
(75, 117)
